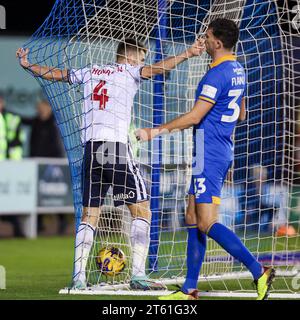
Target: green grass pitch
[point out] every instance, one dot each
(38, 269)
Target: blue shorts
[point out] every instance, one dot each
(121, 173)
(207, 186)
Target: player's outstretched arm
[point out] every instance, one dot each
(199, 111)
(170, 63)
(47, 73)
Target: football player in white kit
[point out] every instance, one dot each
(109, 92)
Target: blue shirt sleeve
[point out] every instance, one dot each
(210, 87)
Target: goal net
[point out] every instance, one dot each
(260, 196)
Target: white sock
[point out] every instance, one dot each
(83, 245)
(140, 240)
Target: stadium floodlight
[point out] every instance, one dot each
(259, 197)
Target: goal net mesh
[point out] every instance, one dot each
(260, 196)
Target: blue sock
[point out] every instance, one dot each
(195, 255)
(234, 246)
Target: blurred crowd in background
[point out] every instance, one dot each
(43, 141)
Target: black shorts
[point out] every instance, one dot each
(111, 164)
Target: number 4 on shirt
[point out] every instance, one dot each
(100, 94)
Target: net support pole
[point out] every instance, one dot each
(158, 106)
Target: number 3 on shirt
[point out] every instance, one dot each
(199, 186)
(100, 94)
(233, 105)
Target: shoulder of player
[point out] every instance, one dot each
(102, 66)
(217, 72)
(130, 67)
(112, 66)
(221, 67)
(134, 70)
(107, 69)
(225, 70)
(117, 67)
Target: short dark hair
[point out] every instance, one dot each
(129, 44)
(226, 31)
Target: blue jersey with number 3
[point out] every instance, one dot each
(224, 86)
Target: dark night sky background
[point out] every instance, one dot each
(25, 16)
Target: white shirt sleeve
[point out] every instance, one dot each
(135, 72)
(79, 76)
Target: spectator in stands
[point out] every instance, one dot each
(271, 198)
(45, 142)
(11, 147)
(44, 139)
(13, 133)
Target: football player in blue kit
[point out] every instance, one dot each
(219, 105)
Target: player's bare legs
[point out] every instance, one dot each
(140, 210)
(83, 244)
(191, 215)
(91, 216)
(207, 216)
(140, 241)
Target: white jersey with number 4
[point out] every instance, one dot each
(109, 92)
